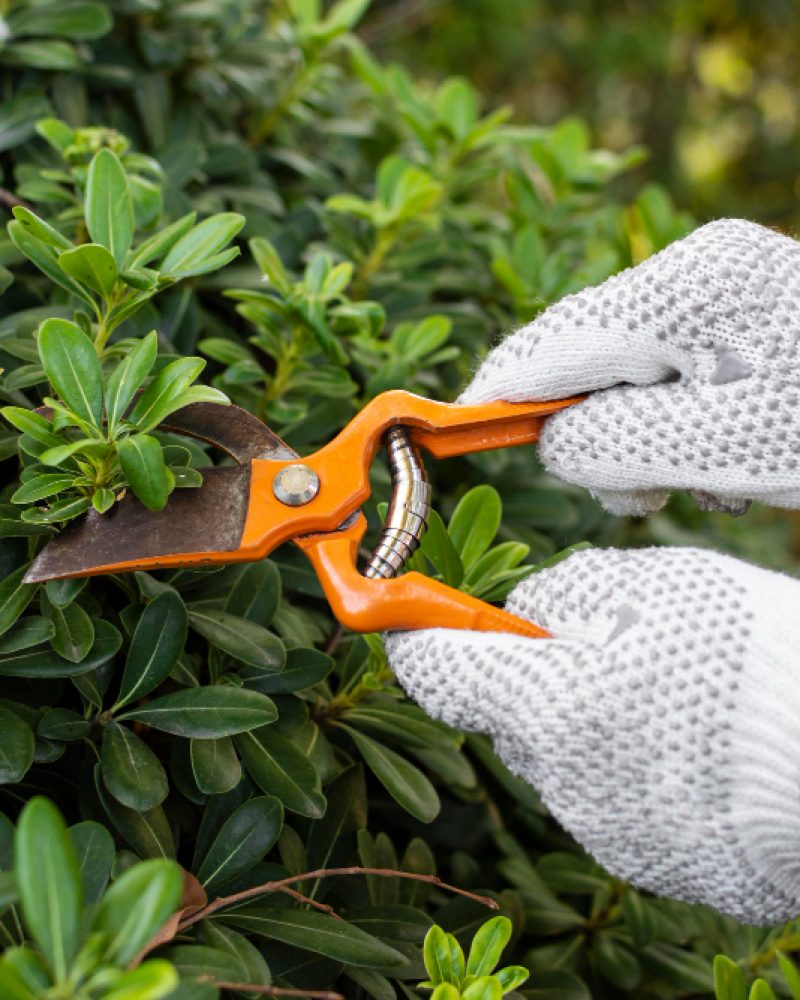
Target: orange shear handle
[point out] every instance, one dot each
(411, 601)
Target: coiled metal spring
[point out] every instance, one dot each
(409, 508)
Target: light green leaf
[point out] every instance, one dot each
(39, 229)
(487, 946)
(436, 953)
(144, 469)
(475, 522)
(154, 979)
(126, 378)
(92, 265)
(108, 205)
(41, 487)
(136, 906)
(204, 241)
(159, 399)
(161, 242)
(73, 368)
(729, 980)
(44, 257)
(485, 988)
(790, 974)
(49, 882)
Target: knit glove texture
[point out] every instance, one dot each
(662, 724)
(695, 353)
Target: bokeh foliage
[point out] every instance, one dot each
(394, 229)
(709, 88)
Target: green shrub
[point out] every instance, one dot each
(221, 719)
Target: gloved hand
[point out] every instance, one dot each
(700, 346)
(661, 726)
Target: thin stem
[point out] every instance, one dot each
(272, 991)
(278, 886)
(311, 902)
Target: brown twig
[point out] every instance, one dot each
(311, 902)
(333, 640)
(9, 199)
(272, 991)
(279, 886)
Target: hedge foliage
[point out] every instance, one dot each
(246, 180)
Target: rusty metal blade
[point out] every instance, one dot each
(204, 520)
(231, 429)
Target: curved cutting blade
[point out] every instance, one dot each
(198, 525)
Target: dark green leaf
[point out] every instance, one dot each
(49, 882)
(407, 785)
(14, 597)
(94, 849)
(215, 766)
(31, 631)
(206, 712)
(46, 663)
(62, 724)
(131, 771)
(240, 638)
(314, 932)
(304, 668)
(279, 768)
(256, 593)
(73, 635)
(439, 548)
(16, 746)
(156, 645)
(148, 833)
(242, 842)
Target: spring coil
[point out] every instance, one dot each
(409, 508)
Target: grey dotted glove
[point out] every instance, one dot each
(695, 353)
(661, 725)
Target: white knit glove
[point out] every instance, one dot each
(700, 345)
(661, 726)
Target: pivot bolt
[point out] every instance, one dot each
(296, 485)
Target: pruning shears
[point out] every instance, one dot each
(271, 496)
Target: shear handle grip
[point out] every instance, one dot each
(412, 601)
(445, 429)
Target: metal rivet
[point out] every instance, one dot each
(296, 485)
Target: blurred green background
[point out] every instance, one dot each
(709, 87)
